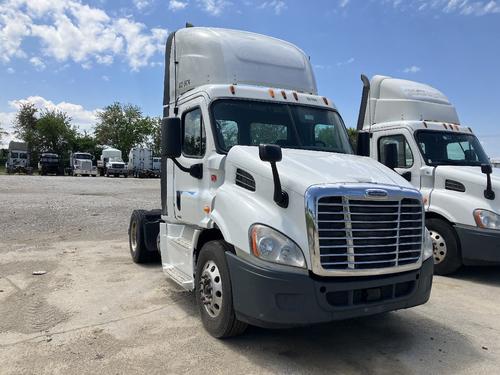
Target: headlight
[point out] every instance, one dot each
(272, 246)
(428, 246)
(487, 219)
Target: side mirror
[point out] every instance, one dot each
(391, 155)
(486, 168)
(171, 142)
(363, 144)
(270, 153)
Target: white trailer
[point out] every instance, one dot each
(140, 162)
(266, 212)
(415, 130)
(18, 158)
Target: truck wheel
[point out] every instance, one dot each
(137, 243)
(447, 257)
(213, 292)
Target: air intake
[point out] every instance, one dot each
(245, 180)
(454, 185)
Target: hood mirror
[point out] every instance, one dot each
(272, 154)
(487, 170)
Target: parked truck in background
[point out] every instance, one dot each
(50, 163)
(157, 166)
(415, 130)
(267, 215)
(18, 158)
(111, 163)
(140, 162)
(80, 164)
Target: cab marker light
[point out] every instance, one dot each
(325, 100)
(425, 124)
(232, 89)
(271, 93)
(445, 126)
(296, 96)
(283, 93)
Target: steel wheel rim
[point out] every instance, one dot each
(211, 289)
(133, 235)
(439, 247)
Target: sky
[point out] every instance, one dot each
(79, 56)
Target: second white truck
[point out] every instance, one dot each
(267, 214)
(415, 130)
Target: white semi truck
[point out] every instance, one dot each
(18, 158)
(267, 215)
(111, 163)
(80, 164)
(140, 163)
(415, 130)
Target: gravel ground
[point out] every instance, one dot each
(96, 312)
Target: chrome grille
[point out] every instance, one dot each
(356, 234)
(86, 165)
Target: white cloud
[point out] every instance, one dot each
(462, 7)
(142, 4)
(175, 5)
(277, 5)
(213, 7)
(37, 63)
(10, 70)
(68, 30)
(346, 62)
(412, 69)
(105, 78)
(84, 119)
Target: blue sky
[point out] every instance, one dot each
(80, 56)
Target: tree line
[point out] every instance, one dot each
(122, 126)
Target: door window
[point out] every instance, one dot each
(194, 139)
(405, 156)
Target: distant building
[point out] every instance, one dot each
(495, 162)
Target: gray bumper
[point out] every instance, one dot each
(117, 171)
(479, 246)
(273, 299)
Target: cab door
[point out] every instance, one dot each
(408, 160)
(190, 192)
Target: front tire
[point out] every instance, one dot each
(447, 255)
(214, 293)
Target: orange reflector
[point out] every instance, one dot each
(232, 89)
(271, 92)
(425, 200)
(295, 96)
(206, 209)
(283, 93)
(213, 178)
(325, 100)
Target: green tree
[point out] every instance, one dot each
(123, 127)
(54, 132)
(25, 128)
(86, 142)
(155, 137)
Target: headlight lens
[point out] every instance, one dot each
(487, 219)
(272, 246)
(428, 246)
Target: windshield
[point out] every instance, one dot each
(83, 156)
(241, 122)
(447, 148)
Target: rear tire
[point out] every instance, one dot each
(214, 293)
(137, 243)
(447, 255)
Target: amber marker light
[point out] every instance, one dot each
(296, 96)
(283, 94)
(325, 100)
(271, 93)
(206, 209)
(232, 89)
(255, 249)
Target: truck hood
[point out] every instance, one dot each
(473, 180)
(300, 169)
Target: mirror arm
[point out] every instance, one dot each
(195, 170)
(179, 165)
(280, 196)
(489, 193)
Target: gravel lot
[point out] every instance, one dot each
(96, 312)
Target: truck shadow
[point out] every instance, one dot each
(392, 343)
(480, 274)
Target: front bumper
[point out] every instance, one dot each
(274, 299)
(85, 172)
(479, 245)
(117, 171)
